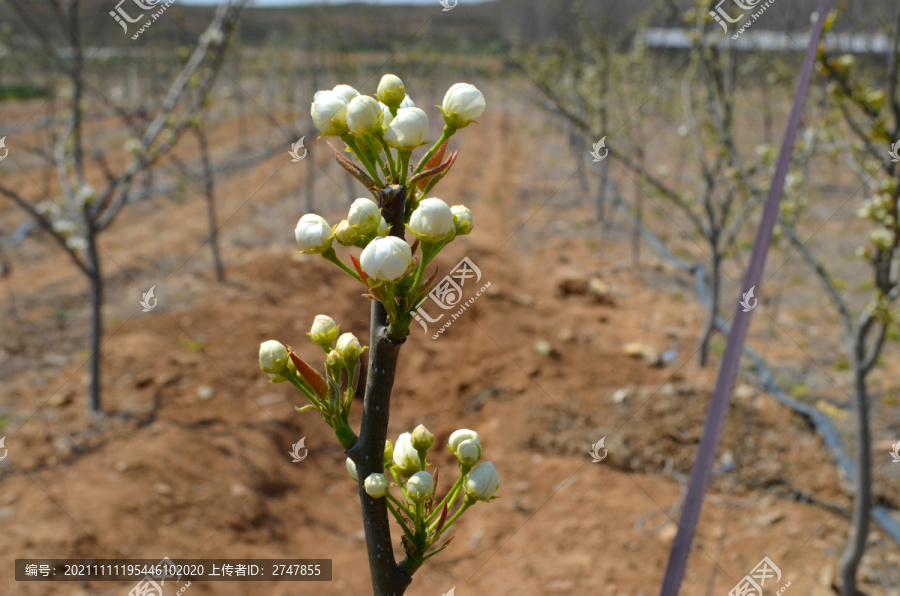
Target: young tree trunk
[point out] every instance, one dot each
(862, 504)
(368, 454)
(388, 579)
(95, 279)
(209, 188)
(709, 325)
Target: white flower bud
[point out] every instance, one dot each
(461, 435)
(383, 228)
(422, 439)
(351, 469)
(405, 456)
(349, 347)
(324, 330)
(273, 357)
(462, 219)
(408, 130)
(63, 227)
(386, 259)
(48, 208)
(77, 243)
(345, 91)
(364, 217)
(376, 486)
(364, 115)
(432, 221)
(313, 234)
(407, 102)
(388, 117)
(85, 195)
(391, 90)
(345, 235)
(482, 482)
(463, 103)
(329, 113)
(420, 487)
(468, 452)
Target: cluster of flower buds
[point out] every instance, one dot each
(328, 394)
(881, 208)
(423, 520)
(381, 132)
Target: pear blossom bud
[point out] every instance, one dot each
(388, 117)
(364, 115)
(432, 221)
(482, 482)
(365, 216)
(48, 208)
(345, 235)
(407, 102)
(408, 130)
(273, 357)
(386, 259)
(351, 469)
(349, 348)
(376, 486)
(383, 228)
(334, 363)
(462, 219)
(329, 113)
(420, 487)
(461, 435)
(85, 195)
(324, 330)
(314, 235)
(468, 452)
(405, 457)
(345, 91)
(463, 103)
(391, 90)
(422, 439)
(77, 243)
(64, 227)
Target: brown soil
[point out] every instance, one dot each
(168, 473)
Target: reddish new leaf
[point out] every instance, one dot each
(316, 381)
(425, 176)
(358, 267)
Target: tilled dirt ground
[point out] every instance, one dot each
(191, 457)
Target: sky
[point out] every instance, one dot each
(300, 2)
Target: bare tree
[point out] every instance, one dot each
(581, 84)
(85, 213)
